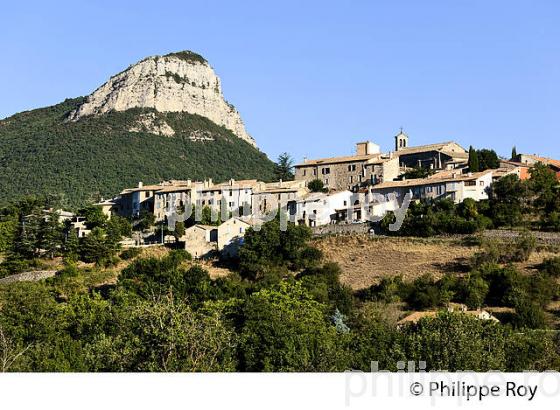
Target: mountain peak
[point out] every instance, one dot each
(176, 82)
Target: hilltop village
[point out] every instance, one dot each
(327, 192)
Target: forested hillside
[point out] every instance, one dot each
(42, 153)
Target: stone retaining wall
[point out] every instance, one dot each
(33, 276)
(343, 229)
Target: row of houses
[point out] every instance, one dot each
(357, 188)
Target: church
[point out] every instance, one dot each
(444, 155)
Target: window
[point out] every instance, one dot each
(304, 172)
(326, 181)
(231, 193)
(351, 179)
(231, 204)
(352, 167)
(345, 203)
(314, 172)
(325, 171)
(481, 183)
(279, 197)
(470, 183)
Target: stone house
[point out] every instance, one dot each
(230, 236)
(277, 194)
(531, 160)
(367, 166)
(134, 200)
(200, 240)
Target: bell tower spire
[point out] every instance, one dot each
(401, 140)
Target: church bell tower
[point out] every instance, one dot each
(401, 140)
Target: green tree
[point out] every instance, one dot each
(8, 230)
(96, 248)
(507, 200)
(270, 246)
(28, 238)
(474, 165)
(284, 167)
(51, 234)
(475, 290)
(285, 330)
(416, 172)
(316, 185)
(488, 159)
(94, 216)
(179, 230)
(145, 220)
(455, 341)
(116, 229)
(71, 243)
(514, 153)
(166, 335)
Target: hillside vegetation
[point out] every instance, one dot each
(41, 153)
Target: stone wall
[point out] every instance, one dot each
(341, 229)
(33, 276)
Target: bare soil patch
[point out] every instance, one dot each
(364, 260)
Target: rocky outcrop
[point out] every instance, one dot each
(177, 82)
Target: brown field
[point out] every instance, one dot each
(365, 260)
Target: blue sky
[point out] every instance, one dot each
(313, 78)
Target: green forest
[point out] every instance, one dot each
(41, 153)
(282, 308)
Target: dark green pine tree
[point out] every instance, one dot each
(514, 153)
(27, 243)
(284, 168)
(473, 160)
(71, 246)
(51, 235)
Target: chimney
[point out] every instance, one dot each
(189, 182)
(140, 184)
(280, 184)
(231, 182)
(210, 182)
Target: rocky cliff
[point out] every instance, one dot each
(177, 82)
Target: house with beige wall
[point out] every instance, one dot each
(275, 195)
(230, 236)
(200, 240)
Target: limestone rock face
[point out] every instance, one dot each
(177, 82)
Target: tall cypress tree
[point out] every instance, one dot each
(513, 153)
(474, 165)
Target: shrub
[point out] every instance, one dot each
(130, 253)
(551, 267)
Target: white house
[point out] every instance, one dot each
(447, 184)
(230, 236)
(318, 208)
